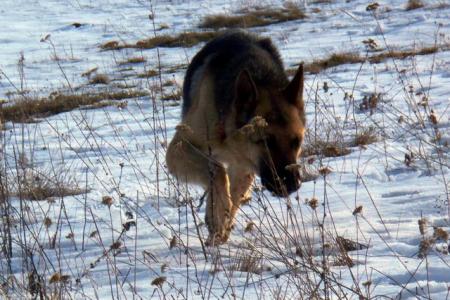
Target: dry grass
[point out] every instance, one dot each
(336, 59)
(174, 95)
(261, 16)
(133, 60)
(111, 45)
(247, 262)
(414, 4)
(333, 60)
(402, 54)
(325, 148)
(37, 187)
(366, 137)
(99, 79)
(27, 110)
(185, 39)
(148, 74)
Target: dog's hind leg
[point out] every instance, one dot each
(189, 164)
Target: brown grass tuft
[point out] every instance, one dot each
(402, 54)
(27, 110)
(111, 45)
(261, 16)
(174, 95)
(133, 60)
(99, 79)
(414, 4)
(333, 60)
(248, 262)
(148, 74)
(366, 137)
(325, 148)
(186, 39)
(36, 186)
(336, 59)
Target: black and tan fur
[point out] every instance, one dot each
(241, 116)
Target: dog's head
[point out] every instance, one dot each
(273, 147)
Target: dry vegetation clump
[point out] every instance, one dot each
(402, 54)
(370, 102)
(260, 16)
(325, 148)
(185, 39)
(248, 262)
(414, 4)
(176, 94)
(148, 74)
(333, 60)
(176, 68)
(111, 45)
(39, 185)
(336, 59)
(365, 137)
(99, 79)
(26, 110)
(133, 60)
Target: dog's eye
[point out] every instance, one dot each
(295, 143)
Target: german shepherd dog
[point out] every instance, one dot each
(241, 116)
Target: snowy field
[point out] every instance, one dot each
(370, 221)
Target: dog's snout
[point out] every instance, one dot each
(282, 182)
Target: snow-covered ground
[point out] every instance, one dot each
(118, 152)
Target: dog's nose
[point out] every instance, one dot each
(292, 182)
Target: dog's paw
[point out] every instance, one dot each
(217, 239)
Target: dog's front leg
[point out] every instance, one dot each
(240, 182)
(218, 206)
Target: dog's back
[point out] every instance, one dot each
(224, 58)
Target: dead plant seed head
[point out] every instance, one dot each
(324, 171)
(423, 222)
(48, 222)
(357, 210)
(159, 281)
(441, 234)
(116, 245)
(249, 227)
(107, 200)
(173, 242)
(433, 118)
(425, 246)
(313, 203)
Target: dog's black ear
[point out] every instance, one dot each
(245, 98)
(294, 91)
